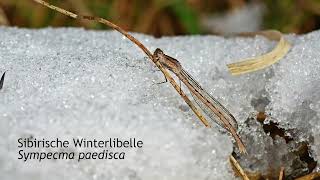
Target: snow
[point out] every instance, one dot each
(71, 82)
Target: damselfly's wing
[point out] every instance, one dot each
(213, 101)
(207, 111)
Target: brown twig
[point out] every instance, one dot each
(80, 7)
(2, 80)
(282, 175)
(140, 45)
(239, 169)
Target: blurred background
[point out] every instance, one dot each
(171, 17)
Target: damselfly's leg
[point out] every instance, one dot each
(163, 81)
(155, 66)
(166, 80)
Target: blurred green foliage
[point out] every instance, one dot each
(187, 16)
(160, 17)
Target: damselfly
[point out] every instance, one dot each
(209, 105)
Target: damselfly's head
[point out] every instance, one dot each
(158, 53)
(159, 56)
(167, 61)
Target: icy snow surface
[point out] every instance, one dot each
(74, 83)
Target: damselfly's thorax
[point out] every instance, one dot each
(167, 61)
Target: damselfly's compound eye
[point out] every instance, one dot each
(158, 52)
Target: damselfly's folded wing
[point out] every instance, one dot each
(220, 108)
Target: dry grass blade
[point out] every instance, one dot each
(140, 45)
(312, 176)
(281, 176)
(263, 61)
(79, 6)
(2, 80)
(239, 169)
